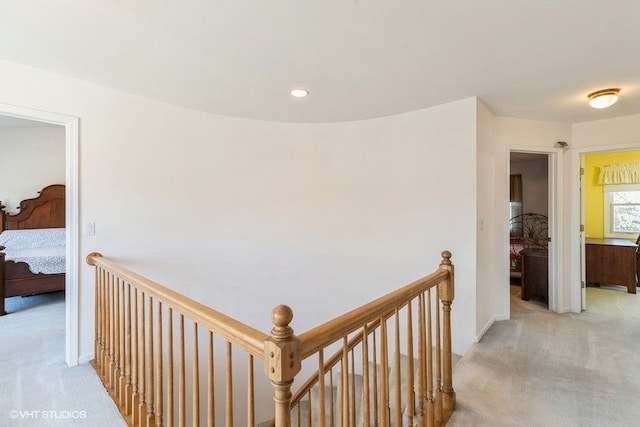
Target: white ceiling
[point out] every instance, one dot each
(534, 59)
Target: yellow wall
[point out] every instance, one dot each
(593, 194)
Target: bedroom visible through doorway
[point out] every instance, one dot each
(609, 210)
(529, 213)
(69, 124)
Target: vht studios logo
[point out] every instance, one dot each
(15, 414)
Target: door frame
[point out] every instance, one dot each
(577, 216)
(70, 125)
(556, 270)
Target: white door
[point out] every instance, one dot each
(581, 234)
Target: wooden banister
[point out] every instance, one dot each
(234, 331)
(323, 335)
(147, 335)
(431, 389)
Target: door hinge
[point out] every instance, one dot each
(582, 285)
(581, 171)
(582, 227)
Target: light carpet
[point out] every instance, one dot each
(546, 369)
(537, 369)
(38, 389)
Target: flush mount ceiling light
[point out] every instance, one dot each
(299, 93)
(603, 98)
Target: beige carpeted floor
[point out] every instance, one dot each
(37, 388)
(547, 369)
(538, 369)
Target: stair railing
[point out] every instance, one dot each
(409, 333)
(154, 347)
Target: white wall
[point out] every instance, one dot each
(493, 151)
(535, 184)
(32, 158)
(488, 299)
(244, 215)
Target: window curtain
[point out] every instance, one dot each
(515, 205)
(620, 174)
(515, 188)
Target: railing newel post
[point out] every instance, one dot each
(282, 361)
(90, 258)
(446, 290)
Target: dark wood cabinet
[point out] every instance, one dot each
(611, 262)
(535, 273)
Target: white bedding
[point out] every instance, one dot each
(42, 249)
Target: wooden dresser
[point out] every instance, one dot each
(535, 273)
(611, 262)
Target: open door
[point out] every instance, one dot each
(581, 237)
(531, 212)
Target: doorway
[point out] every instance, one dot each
(542, 169)
(528, 227)
(605, 174)
(70, 125)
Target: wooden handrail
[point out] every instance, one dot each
(326, 334)
(244, 336)
(434, 397)
(135, 349)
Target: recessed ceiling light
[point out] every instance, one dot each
(603, 98)
(299, 93)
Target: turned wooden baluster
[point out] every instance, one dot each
(251, 416)
(135, 377)
(423, 361)
(112, 334)
(438, 351)
(211, 412)
(170, 390)
(182, 388)
(142, 355)
(366, 406)
(149, 364)
(352, 376)
(121, 362)
(410, 368)
(344, 383)
(229, 388)
(195, 390)
(374, 350)
(397, 403)
(128, 389)
(384, 376)
(159, 369)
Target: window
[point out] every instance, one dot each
(622, 211)
(515, 205)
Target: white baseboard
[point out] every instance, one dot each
(488, 325)
(85, 358)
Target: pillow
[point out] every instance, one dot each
(24, 239)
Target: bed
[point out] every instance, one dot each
(32, 246)
(529, 230)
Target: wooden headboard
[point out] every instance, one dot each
(45, 211)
